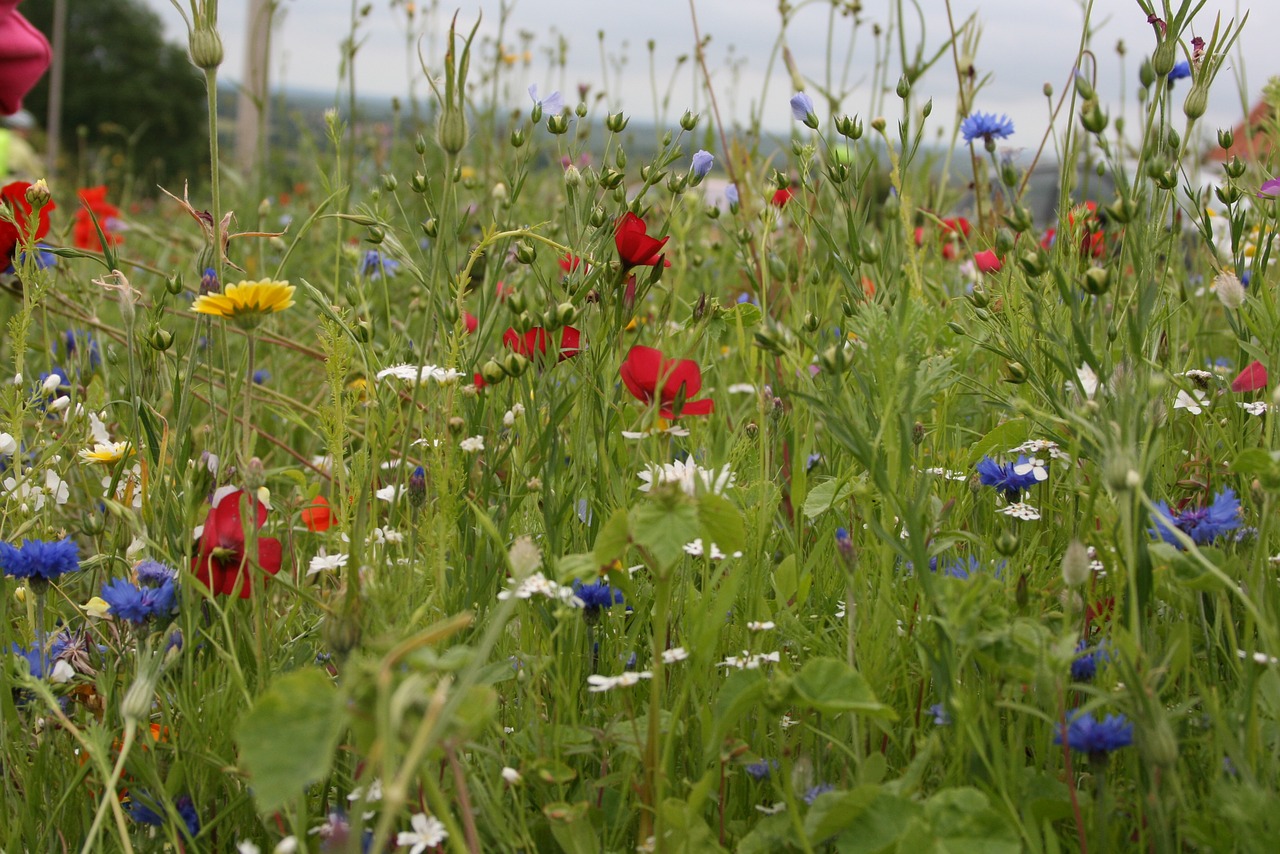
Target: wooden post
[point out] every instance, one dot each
(252, 106)
(53, 119)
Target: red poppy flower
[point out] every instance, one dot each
(15, 195)
(781, 197)
(317, 516)
(650, 377)
(635, 247)
(533, 344)
(988, 261)
(569, 263)
(221, 564)
(1252, 378)
(84, 234)
(472, 322)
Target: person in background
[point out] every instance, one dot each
(24, 56)
(18, 160)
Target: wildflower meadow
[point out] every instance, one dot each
(529, 480)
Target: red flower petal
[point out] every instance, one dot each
(635, 247)
(317, 515)
(1252, 378)
(684, 373)
(640, 371)
(988, 261)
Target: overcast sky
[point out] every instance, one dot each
(1024, 44)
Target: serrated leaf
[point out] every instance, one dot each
(829, 685)
(301, 710)
(663, 528)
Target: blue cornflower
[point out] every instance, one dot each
(761, 770)
(702, 162)
(1085, 665)
(209, 281)
(154, 572)
(39, 560)
(820, 789)
(955, 567)
(142, 813)
(941, 717)
(1005, 477)
(552, 105)
(261, 376)
(139, 604)
(802, 109)
(731, 194)
(1181, 71)
(1087, 734)
(75, 341)
(595, 596)
(43, 260)
(144, 809)
(987, 127)
(1202, 524)
(375, 264)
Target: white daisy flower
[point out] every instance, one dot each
(688, 475)
(414, 375)
(597, 683)
(472, 444)
(1257, 407)
(760, 626)
(322, 562)
(676, 653)
(1194, 401)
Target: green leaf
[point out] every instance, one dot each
(663, 527)
(614, 537)
(288, 738)
(963, 822)
(571, 827)
(721, 523)
(739, 694)
(785, 582)
(1007, 435)
(1260, 463)
(828, 685)
(825, 494)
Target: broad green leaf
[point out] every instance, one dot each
(828, 685)
(825, 494)
(721, 523)
(684, 830)
(1008, 435)
(288, 738)
(571, 826)
(739, 694)
(614, 537)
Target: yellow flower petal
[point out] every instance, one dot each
(97, 607)
(246, 300)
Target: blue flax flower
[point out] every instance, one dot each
(941, 717)
(1087, 734)
(762, 769)
(802, 108)
(987, 127)
(702, 162)
(731, 194)
(820, 789)
(1005, 477)
(139, 604)
(1202, 524)
(39, 560)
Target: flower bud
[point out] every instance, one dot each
(1164, 58)
(1015, 373)
(849, 127)
(535, 115)
(598, 218)
(526, 253)
(1007, 543)
(1093, 119)
(206, 47)
(431, 227)
(1197, 100)
(518, 138)
(174, 284)
(610, 179)
(572, 178)
(616, 122)
(558, 124)
(1096, 281)
(160, 339)
(1235, 167)
(904, 87)
(1146, 74)
(927, 109)
(565, 313)
(420, 144)
(136, 705)
(417, 489)
(1084, 88)
(689, 120)
(492, 372)
(514, 364)
(811, 322)
(1033, 263)
(1075, 564)
(870, 251)
(878, 124)
(581, 110)
(1047, 89)
(38, 195)
(1226, 138)
(1229, 289)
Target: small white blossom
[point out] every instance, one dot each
(1256, 407)
(948, 474)
(512, 776)
(751, 661)
(1035, 447)
(428, 832)
(1018, 510)
(538, 584)
(1087, 379)
(676, 653)
(758, 626)
(1194, 401)
(741, 388)
(1258, 657)
(673, 430)
(374, 793)
(597, 683)
(247, 847)
(472, 444)
(322, 562)
(390, 493)
(780, 806)
(1033, 466)
(787, 722)
(8, 445)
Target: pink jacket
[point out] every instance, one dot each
(24, 56)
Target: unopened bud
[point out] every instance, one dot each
(689, 120)
(38, 195)
(1230, 291)
(206, 47)
(558, 124)
(1075, 564)
(616, 122)
(160, 339)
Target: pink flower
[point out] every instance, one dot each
(988, 261)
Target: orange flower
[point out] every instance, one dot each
(317, 516)
(94, 205)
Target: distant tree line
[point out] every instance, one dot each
(133, 105)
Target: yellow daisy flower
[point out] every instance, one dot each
(246, 302)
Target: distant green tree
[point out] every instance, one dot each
(133, 105)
